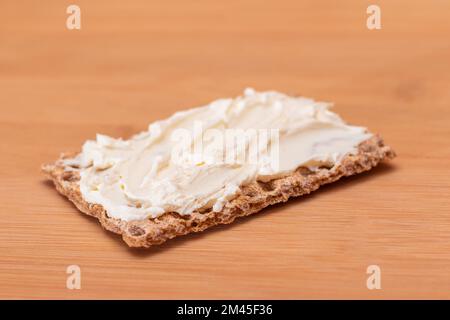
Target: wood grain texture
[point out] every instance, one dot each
(138, 61)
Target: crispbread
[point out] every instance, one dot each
(251, 199)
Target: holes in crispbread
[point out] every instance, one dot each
(266, 186)
(136, 231)
(69, 176)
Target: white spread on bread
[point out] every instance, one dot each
(137, 178)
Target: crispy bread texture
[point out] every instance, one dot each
(251, 199)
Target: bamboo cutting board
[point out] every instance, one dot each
(138, 61)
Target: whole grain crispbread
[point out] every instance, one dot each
(251, 199)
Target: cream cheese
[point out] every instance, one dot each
(183, 163)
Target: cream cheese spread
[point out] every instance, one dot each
(189, 162)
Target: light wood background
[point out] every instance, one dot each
(137, 61)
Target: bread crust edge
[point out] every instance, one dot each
(252, 198)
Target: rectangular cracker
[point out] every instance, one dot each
(251, 199)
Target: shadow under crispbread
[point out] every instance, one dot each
(251, 199)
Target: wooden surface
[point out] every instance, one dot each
(138, 61)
